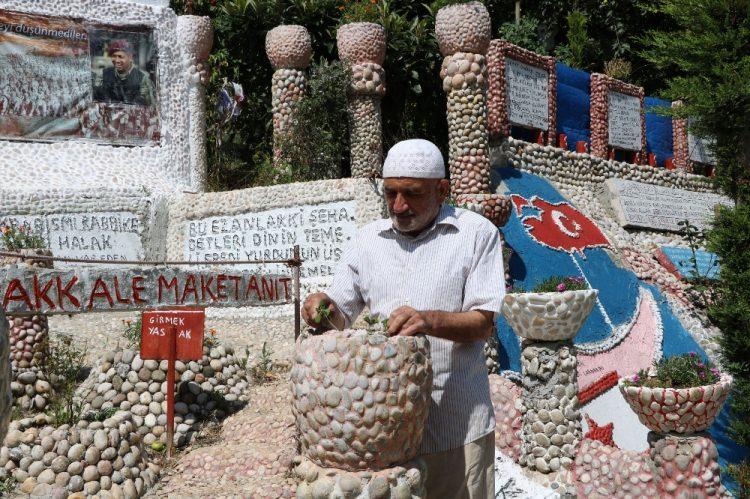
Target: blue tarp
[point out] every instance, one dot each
(573, 103)
(658, 130)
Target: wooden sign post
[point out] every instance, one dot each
(172, 334)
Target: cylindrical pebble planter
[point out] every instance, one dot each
(289, 50)
(363, 46)
(361, 399)
(196, 34)
(551, 421)
(463, 34)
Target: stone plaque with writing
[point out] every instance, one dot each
(661, 208)
(98, 236)
(527, 95)
(624, 121)
(699, 150)
(320, 230)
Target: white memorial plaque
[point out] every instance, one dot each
(527, 95)
(95, 236)
(660, 208)
(699, 151)
(320, 230)
(624, 119)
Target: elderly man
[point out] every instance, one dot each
(123, 82)
(436, 270)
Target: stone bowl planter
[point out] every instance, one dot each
(359, 43)
(463, 27)
(555, 316)
(360, 399)
(289, 46)
(677, 410)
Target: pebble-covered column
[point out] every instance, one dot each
(463, 33)
(551, 422)
(289, 49)
(196, 34)
(686, 465)
(363, 46)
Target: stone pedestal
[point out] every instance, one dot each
(196, 35)
(289, 49)
(551, 422)
(363, 46)
(398, 482)
(685, 465)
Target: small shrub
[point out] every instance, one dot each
(18, 238)
(210, 340)
(359, 11)
(525, 34)
(740, 472)
(132, 333)
(554, 284)
(7, 486)
(63, 367)
(375, 324)
(100, 415)
(262, 371)
(619, 69)
(680, 371)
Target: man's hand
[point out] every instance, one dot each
(405, 321)
(316, 302)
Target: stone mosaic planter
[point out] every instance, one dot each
(289, 46)
(360, 43)
(548, 316)
(463, 27)
(677, 410)
(360, 399)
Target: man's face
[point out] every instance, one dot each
(414, 202)
(122, 61)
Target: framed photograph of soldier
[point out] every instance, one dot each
(63, 79)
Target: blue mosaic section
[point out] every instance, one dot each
(707, 263)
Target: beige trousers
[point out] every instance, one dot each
(467, 472)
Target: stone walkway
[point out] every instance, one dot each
(249, 458)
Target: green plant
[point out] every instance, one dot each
(375, 324)
(359, 11)
(323, 313)
(574, 53)
(262, 371)
(701, 287)
(18, 238)
(132, 333)
(524, 33)
(63, 367)
(210, 340)
(679, 371)
(100, 415)
(740, 472)
(554, 284)
(617, 68)
(729, 238)
(7, 486)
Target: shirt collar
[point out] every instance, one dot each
(446, 216)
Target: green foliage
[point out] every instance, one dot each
(701, 289)
(317, 145)
(680, 371)
(63, 367)
(575, 53)
(359, 11)
(100, 415)
(619, 69)
(132, 333)
(729, 238)
(554, 284)
(210, 340)
(525, 34)
(741, 474)
(704, 45)
(18, 238)
(262, 371)
(375, 324)
(7, 486)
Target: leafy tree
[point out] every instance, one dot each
(525, 34)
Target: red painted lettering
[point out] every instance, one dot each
(206, 288)
(104, 293)
(65, 292)
(253, 284)
(171, 284)
(221, 288)
(190, 287)
(41, 294)
(16, 292)
(119, 298)
(137, 288)
(237, 279)
(285, 281)
(268, 288)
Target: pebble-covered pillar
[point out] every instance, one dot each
(686, 465)
(551, 422)
(196, 35)
(463, 33)
(363, 46)
(289, 50)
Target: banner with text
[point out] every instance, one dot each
(66, 79)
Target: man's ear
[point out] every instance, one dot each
(444, 188)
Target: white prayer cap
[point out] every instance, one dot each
(414, 158)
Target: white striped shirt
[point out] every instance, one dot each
(455, 265)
